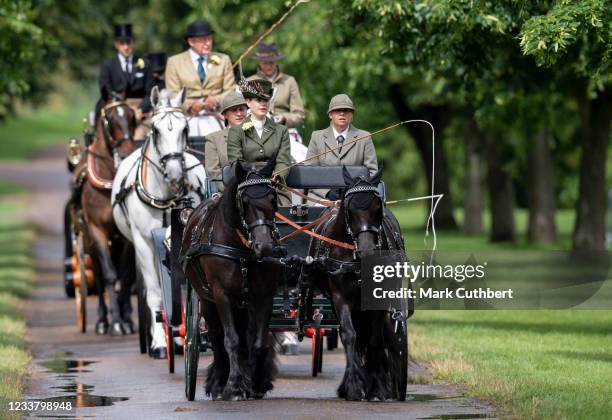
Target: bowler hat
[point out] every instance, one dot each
(199, 28)
(123, 31)
(267, 53)
(158, 61)
(232, 99)
(259, 88)
(341, 101)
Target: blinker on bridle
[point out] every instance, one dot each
(111, 139)
(242, 187)
(377, 230)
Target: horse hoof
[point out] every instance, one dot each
(101, 327)
(116, 329)
(128, 327)
(159, 353)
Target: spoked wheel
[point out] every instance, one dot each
(317, 352)
(143, 316)
(170, 346)
(192, 342)
(81, 295)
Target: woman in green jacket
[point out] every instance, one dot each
(259, 138)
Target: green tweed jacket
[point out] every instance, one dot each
(245, 144)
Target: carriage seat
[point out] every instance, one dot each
(310, 177)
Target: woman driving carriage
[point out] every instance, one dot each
(259, 138)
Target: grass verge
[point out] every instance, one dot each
(16, 273)
(530, 363)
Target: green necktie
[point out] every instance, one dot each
(201, 71)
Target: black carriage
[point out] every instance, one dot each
(297, 306)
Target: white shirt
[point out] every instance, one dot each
(259, 125)
(343, 134)
(195, 57)
(126, 63)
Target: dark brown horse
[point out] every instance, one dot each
(373, 357)
(111, 254)
(226, 242)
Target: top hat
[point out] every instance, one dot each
(158, 61)
(259, 88)
(267, 53)
(123, 31)
(199, 28)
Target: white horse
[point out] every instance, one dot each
(147, 185)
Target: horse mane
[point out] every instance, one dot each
(228, 203)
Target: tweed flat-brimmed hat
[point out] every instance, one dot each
(342, 101)
(267, 53)
(199, 28)
(259, 88)
(232, 99)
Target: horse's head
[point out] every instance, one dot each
(119, 122)
(363, 210)
(257, 202)
(169, 136)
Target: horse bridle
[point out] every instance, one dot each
(167, 110)
(377, 230)
(242, 188)
(114, 143)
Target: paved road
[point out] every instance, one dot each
(108, 378)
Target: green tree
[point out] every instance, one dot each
(23, 48)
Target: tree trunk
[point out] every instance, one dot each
(501, 194)
(542, 227)
(421, 133)
(472, 182)
(594, 132)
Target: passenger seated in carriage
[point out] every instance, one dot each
(234, 109)
(258, 138)
(129, 74)
(340, 131)
(206, 75)
(286, 104)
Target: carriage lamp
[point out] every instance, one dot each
(184, 215)
(74, 152)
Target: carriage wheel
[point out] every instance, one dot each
(192, 342)
(81, 296)
(332, 339)
(143, 330)
(317, 352)
(169, 347)
(69, 239)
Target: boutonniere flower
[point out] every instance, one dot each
(247, 126)
(214, 59)
(140, 64)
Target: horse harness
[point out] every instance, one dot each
(145, 196)
(242, 256)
